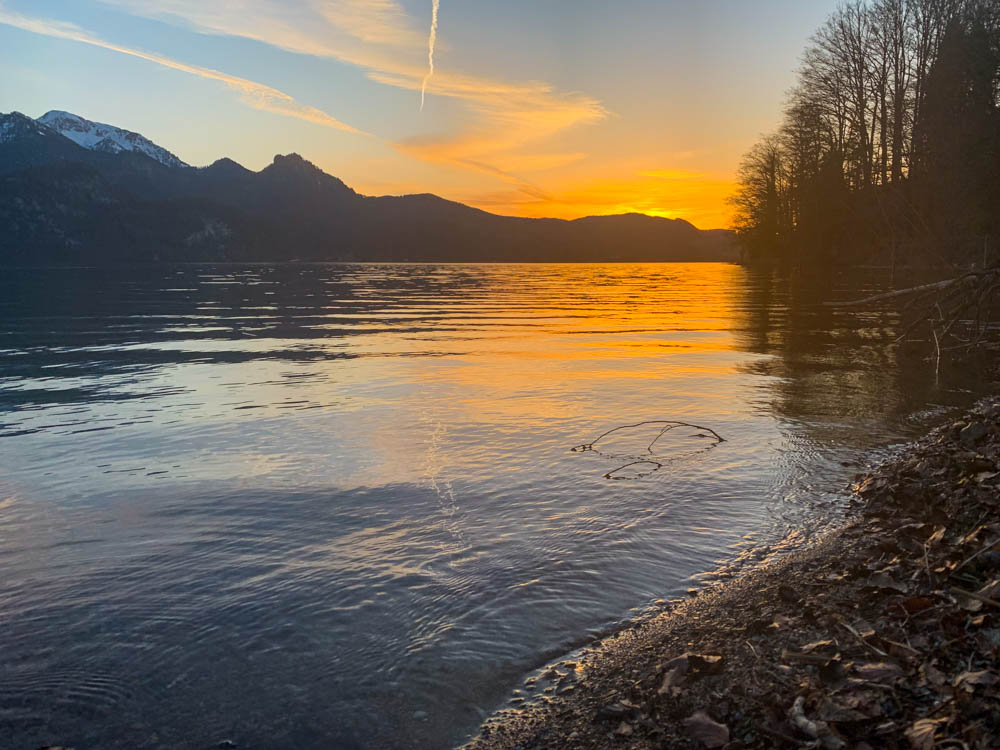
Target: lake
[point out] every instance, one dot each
(337, 506)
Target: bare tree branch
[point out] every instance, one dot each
(933, 287)
(670, 424)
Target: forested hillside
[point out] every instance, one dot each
(889, 148)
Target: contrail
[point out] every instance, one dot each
(430, 50)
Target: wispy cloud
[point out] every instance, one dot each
(257, 95)
(381, 22)
(508, 128)
(431, 41)
(378, 36)
(510, 118)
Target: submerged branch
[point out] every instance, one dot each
(669, 424)
(959, 310)
(655, 461)
(932, 287)
(655, 464)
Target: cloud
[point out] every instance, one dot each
(379, 37)
(257, 95)
(366, 33)
(506, 128)
(375, 21)
(509, 117)
(540, 162)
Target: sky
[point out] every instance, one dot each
(562, 108)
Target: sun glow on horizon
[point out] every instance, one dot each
(636, 108)
(670, 194)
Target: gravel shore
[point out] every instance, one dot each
(883, 634)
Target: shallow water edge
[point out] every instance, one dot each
(821, 633)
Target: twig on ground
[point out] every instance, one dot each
(974, 595)
(861, 638)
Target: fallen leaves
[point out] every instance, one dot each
(913, 605)
(970, 680)
(688, 668)
(884, 582)
(931, 675)
(921, 734)
(882, 673)
(706, 730)
(672, 680)
(817, 729)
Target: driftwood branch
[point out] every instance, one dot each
(959, 312)
(933, 287)
(669, 424)
(654, 462)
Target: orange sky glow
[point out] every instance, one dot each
(531, 109)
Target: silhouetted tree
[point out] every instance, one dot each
(761, 206)
(890, 141)
(956, 174)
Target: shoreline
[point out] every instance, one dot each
(883, 632)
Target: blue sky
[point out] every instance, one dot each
(536, 108)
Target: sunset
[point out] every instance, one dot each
(512, 375)
(531, 111)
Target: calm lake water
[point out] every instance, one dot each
(336, 506)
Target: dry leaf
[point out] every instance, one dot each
(899, 649)
(884, 582)
(864, 629)
(830, 710)
(933, 675)
(815, 645)
(703, 728)
(991, 589)
(671, 682)
(921, 734)
(819, 730)
(983, 678)
(704, 664)
(867, 702)
(781, 621)
(884, 673)
(937, 536)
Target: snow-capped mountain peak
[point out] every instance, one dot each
(15, 125)
(98, 136)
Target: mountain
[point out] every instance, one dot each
(97, 136)
(25, 142)
(67, 199)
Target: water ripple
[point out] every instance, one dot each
(319, 506)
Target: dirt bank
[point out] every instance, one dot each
(883, 634)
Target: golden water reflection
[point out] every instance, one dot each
(350, 488)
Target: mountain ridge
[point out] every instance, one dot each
(62, 202)
(99, 136)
